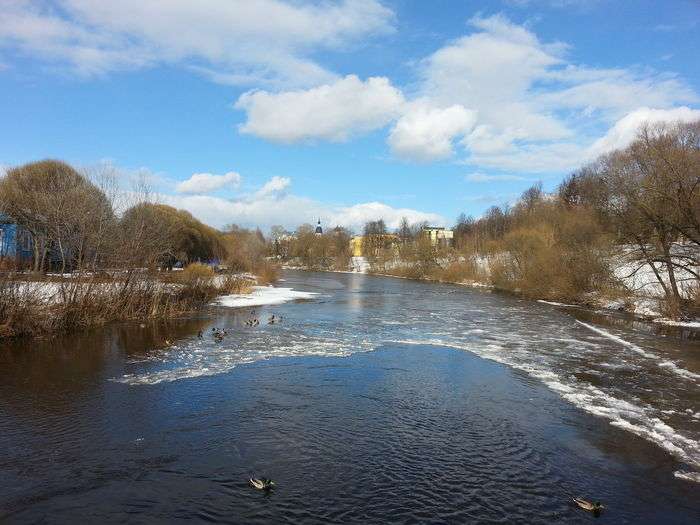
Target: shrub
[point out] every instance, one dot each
(266, 272)
(232, 283)
(458, 272)
(196, 274)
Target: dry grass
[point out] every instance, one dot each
(80, 303)
(196, 274)
(232, 283)
(267, 272)
(458, 272)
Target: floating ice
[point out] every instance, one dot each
(688, 476)
(557, 304)
(612, 337)
(263, 295)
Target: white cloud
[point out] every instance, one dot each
(241, 41)
(425, 133)
(357, 215)
(510, 100)
(331, 112)
(534, 158)
(614, 91)
(625, 130)
(291, 211)
(272, 204)
(499, 96)
(207, 182)
(483, 177)
(491, 71)
(537, 111)
(276, 186)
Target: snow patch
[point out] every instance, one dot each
(263, 295)
(684, 324)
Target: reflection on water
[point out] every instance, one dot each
(119, 421)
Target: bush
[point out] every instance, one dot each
(232, 283)
(458, 272)
(266, 272)
(196, 274)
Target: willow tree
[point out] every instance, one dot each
(159, 235)
(67, 216)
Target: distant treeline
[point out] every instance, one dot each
(637, 208)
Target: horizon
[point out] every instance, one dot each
(280, 113)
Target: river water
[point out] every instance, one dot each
(373, 400)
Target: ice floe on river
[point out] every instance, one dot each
(264, 295)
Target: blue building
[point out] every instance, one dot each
(15, 243)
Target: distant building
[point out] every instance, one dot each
(15, 243)
(356, 246)
(319, 230)
(360, 244)
(439, 235)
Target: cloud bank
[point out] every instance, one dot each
(207, 183)
(498, 98)
(269, 42)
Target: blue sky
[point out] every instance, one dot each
(262, 112)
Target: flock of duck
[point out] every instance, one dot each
(252, 321)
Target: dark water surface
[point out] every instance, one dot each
(370, 403)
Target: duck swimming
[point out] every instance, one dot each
(262, 483)
(595, 508)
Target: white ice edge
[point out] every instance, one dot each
(668, 364)
(683, 324)
(557, 304)
(262, 296)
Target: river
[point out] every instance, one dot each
(371, 400)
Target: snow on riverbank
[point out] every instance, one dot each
(51, 292)
(263, 295)
(56, 292)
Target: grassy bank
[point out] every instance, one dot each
(612, 286)
(31, 307)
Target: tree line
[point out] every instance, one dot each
(637, 208)
(82, 221)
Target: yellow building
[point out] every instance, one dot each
(356, 246)
(357, 243)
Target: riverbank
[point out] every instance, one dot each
(39, 307)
